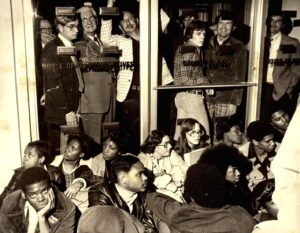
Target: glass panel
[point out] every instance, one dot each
(208, 60)
(77, 69)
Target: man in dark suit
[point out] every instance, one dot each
(282, 66)
(97, 101)
(62, 80)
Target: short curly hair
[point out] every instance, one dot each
(205, 185)
(121, 139)
(33, 175)
(42, 148)
(221, 156)
(224, 126)
(257, 130)
(154, 138)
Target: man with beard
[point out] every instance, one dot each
(37, 207)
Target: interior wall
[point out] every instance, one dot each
(17, 81)
(9, 132)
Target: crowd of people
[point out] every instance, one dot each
(207, 176)
(228, 189)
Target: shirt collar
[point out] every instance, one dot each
(33, 217)
(65, 41)
(91, 37)
(276, 37)
(128, 196)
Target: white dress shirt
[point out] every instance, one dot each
(128, 196)
(33, 217)
(274, 47)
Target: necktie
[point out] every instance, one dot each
(79, 74)
(97, 41)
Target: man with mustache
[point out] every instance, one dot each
(125, 190)
(128, 77)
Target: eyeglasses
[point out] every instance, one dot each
(73, 27)
(165, 145)
(194, 132)
(91, 19)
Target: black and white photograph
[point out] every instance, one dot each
(150, 116)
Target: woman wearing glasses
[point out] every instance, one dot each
(165, 165)
(192, 137)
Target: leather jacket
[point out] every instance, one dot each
(107, 194)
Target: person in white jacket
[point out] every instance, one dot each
(128, 78)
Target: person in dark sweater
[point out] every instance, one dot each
(234, 167)
(206, 209)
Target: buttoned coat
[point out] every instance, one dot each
(60, 83)
(98, 76)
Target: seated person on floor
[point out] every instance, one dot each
(234, 167)
(260, 150)
(192, 137)
(109, 219)
(36, 154)
(228, 131)
(78, 176)
(37, 207)
(280, 121)
(114, 145)
(164, 164)
(126, 190)
(206, 211)
(286, 167)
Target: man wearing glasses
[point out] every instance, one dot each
(62, 80)
(46, 32)
(97, 100)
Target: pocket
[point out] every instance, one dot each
(55, 98)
